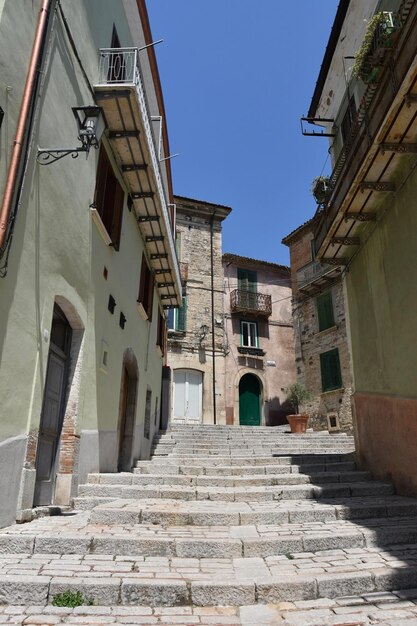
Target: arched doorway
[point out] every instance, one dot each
(53, 407)
(249, 401)
(127, 411)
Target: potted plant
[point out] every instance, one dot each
(320, 188)
(297, 395)
(370, 55)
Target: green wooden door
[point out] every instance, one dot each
(249, 401)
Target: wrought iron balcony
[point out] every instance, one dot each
(342, 216)
(121, 93)
(314, 276)
(250, 303)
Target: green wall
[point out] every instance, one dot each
(382, 295)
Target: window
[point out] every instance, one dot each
(177, 318)
(160, 338)
(147, 423)
(313, 249)
(325, 312)
(331, 377)
(247, 280)
(146, 287)
(249, 334)
(348, 120)
(108, 198)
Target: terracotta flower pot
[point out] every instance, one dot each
(298, 423)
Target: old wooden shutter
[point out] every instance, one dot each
(325, 310)
(182, 316)
(331, 377)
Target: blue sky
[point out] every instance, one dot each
(237, 75)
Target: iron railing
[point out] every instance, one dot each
(360, 130)
(121, 66)
(251, 302)
(310, 272)
(118, 65)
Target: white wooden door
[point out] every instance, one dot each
(187, 404)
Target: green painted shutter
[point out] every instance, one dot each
(331, 377)
(182, 316)
(325, 310)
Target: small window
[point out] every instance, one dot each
(109, 198)
(146, 288)
(177, 318)
(160, 338)
(331, 377)
(313, 249)
(325, 311)
(249, 334)
(348, 120)
(147, 423)
(247, 280)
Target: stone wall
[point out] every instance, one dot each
(196, 232)
(332, 409)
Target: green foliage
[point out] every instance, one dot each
(71, 599)
(319, 187)
(297, 394)
(365, 48)
(289, 557)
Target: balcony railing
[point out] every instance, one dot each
(370, 114)
(120, 90)
(251, 303)
(314, 272)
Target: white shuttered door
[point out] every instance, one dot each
(187, 405)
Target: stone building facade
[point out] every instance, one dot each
(197, 328)
(212, 321)
(321, 345)
(258, 341)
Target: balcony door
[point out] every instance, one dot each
(188, 395)
(247, 280)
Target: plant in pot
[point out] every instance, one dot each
(378, 37)
(320, 188)
(297, 395)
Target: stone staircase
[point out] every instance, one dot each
(268, 524)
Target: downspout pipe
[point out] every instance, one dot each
(22, 121)
(213, 340)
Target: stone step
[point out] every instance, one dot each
(173, 468)
(380, 608)
(225, 480)
(161, 581)
(239, 494)
(218, 542)
(217, 513)
(278, 459)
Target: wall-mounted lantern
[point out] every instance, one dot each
(90, 127)
(203, 333)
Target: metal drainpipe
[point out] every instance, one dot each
(213, 343)
(22, 121)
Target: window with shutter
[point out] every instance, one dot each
(325, 313)
(331, 377)
(247, 280)
(177, 318)
(146, 288)
(109, 198)
(182, 316)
